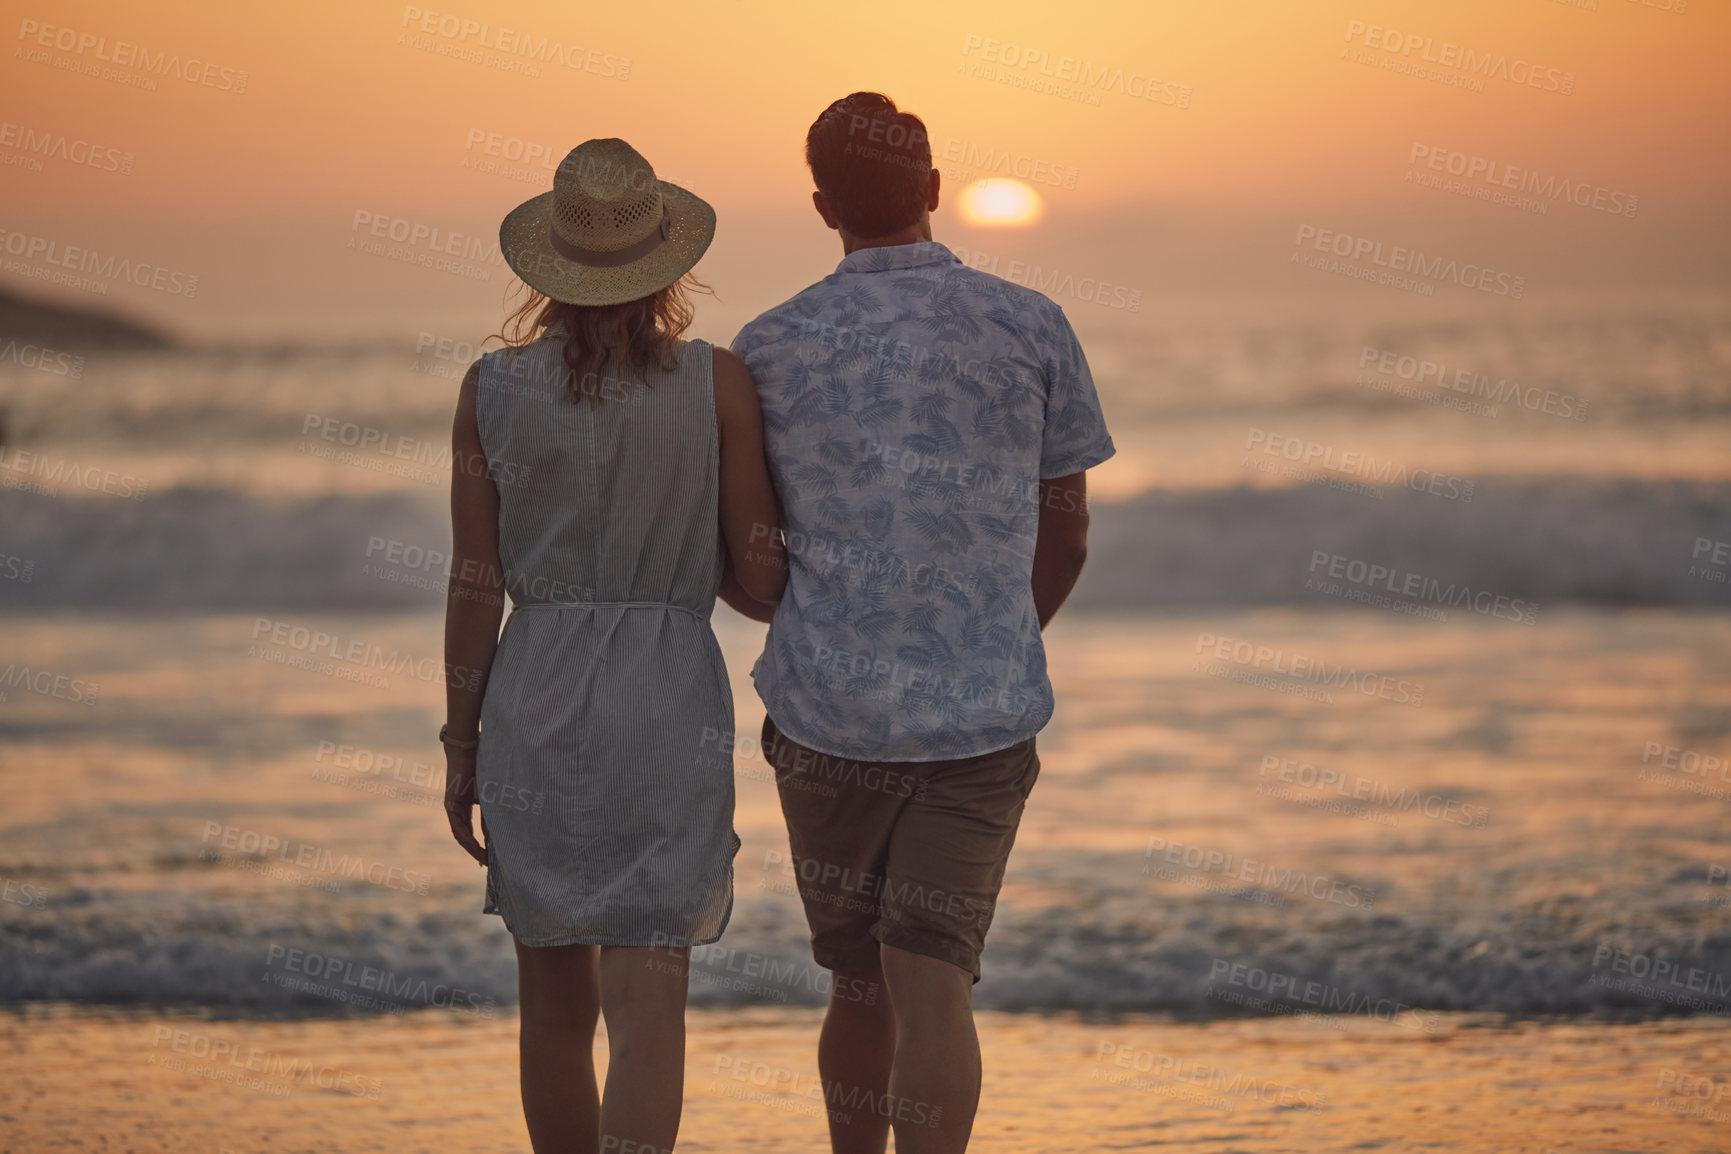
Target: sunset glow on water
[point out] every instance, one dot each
(1386, 801)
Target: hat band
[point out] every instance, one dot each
(596, 258)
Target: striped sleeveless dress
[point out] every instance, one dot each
(602, 774)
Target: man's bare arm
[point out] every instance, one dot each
(737, 599)
(1062, 544)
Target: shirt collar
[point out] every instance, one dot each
(885, 258)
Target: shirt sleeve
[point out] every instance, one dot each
(745, 343)
(1075, 437)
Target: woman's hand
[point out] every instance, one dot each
(460, 801)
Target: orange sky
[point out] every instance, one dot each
(338, 113)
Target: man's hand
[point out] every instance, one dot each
(460, 801)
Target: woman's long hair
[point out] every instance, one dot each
(635, 336)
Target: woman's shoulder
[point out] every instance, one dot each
(520, 370)
(694, 355)
(541, 347)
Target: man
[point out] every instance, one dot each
(929, 428)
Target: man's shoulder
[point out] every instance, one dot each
(1009, 306)
(778, 321)
(1015, 300)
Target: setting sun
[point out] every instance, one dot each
(1001, 203)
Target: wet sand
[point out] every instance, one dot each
(75, 1079)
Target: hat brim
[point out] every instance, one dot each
(524, 240)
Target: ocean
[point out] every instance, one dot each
(1391, 767)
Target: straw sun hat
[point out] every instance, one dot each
(609, 232)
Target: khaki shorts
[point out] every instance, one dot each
(907, 853)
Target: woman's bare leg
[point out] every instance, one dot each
(559, 995)
(643, 998)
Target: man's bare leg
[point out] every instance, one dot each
(558, 999)
(935, 1077)
(854, 1052)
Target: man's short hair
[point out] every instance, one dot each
(871, 162)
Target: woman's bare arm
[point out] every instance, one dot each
(750, 518)
(474, 604)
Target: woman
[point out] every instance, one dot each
(601, 466)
